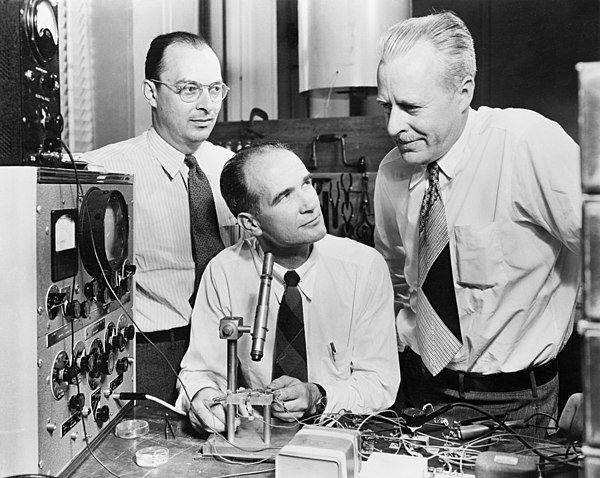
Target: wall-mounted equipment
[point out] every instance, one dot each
(30, 119)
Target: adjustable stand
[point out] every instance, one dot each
(247, 442)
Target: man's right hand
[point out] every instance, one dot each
(205, 414)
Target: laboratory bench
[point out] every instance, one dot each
(185, 458)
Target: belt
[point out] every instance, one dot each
(497, 382)
(172, 335)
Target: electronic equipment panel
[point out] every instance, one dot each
(68, 341)
(30, 118)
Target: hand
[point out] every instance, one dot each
(297, 397)
(205, 414)
(571, 419)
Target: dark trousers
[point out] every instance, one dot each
(535, 404)
(158, 359)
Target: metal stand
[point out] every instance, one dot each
(231, 329)
(246, 443)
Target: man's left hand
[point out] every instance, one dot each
(293, 398)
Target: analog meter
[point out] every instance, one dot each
(42, 29)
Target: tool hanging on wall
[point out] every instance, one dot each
(323, 198)
(364, 230)
(347, 206)
(334, 200)
(332, 138)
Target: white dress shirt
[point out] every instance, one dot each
(512, 194)
(348, 315)
(162, 238)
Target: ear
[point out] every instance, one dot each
(250, 223)
(149, 90)
(466, 91)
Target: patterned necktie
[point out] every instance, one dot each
(289, 357)
(438, 325)
(206, 239)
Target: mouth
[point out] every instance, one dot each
(407, 145)
(202, 121)
(400, 142)
(312, 222)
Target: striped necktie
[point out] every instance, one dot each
(289, 357)
(206, 239)
(438, 325)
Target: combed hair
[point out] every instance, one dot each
(154, 58)
(234, 188)
(446, 32)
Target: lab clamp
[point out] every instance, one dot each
(232, 329)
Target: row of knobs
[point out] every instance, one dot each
(46, 81)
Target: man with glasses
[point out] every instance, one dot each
(178, 204)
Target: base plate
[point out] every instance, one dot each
(248, 443)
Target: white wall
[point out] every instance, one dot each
(121, 34)
(251, 57)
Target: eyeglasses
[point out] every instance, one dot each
(190, 92)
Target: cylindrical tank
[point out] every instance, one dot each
(338, 40)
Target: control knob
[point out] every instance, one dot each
(77, 402)
(102, 414)
(118, 342)
(73, 309)
(106, 363)
(129, 332)
(122, 365)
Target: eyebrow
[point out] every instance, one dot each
(289, 190)
(280, 195)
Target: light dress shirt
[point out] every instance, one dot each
(348, 308)
(162, 238)
(512, 194)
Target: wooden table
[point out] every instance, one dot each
(185, 456)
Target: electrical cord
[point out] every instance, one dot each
(501, 424)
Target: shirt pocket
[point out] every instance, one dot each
(337, 361)
(479, 257)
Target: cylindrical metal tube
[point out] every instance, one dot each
(231, 387)
(261, 319)
(267, 425)
(337, 39)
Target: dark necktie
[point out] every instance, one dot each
(438, 325)
(289, 357)
(206, 239)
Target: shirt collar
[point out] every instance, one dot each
(306, 271)
(450, 162)
(169, 158)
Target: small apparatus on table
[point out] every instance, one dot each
(243, 442)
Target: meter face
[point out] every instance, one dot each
(42, 29)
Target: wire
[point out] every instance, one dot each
(85, 433)
(247, 473)
(501, 423)
(80, 195)
(145, 396)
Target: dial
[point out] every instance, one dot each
(42, 29)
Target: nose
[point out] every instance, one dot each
(204, 100)
(396, 121)
(309, 201)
